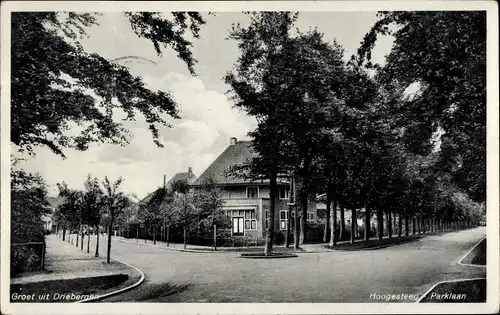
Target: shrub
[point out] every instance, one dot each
(28, 205)
(315, 232)
(279, 237)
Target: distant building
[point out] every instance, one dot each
(188, 176)
(54, 202)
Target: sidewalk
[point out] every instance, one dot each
(70, 270)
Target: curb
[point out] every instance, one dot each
(174, 249)
(113, 293)
(464, 256)
(204, 251)
(445, 281)
(455, 280)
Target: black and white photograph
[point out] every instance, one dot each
(249, 157)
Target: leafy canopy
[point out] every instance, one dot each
(53, 78)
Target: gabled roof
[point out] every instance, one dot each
(238, 152)
(188, 176)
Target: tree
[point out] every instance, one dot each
(45, 105)
(114, 202)
(260, 44)
(92, 204)
(449, 69)
(71, 208)
(184, 210)
(210, 202)
(151, 213)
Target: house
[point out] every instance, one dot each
(247, 201)
(54, 202)
(188, 176)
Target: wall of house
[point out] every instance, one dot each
(236, 192)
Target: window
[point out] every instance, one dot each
(267, 219)
(250, 220)
(283, 193)
(310, 216)
(253, 192)
(237, 226)
(283, 219)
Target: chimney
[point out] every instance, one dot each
(164, 180)
(190, 172)
(232, 141)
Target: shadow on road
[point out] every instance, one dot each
(156, 291)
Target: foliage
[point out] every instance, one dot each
(92, 202)
(449, 68)
(156, 211)
(52, 76)
(28, 206)
(210, 202)
(114, 203)
(69, 212)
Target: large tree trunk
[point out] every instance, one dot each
(380, 224)
(389, 224)
(353, 224)
(327, 219)
(97, 242)
(168, 236)
(303, 217)
(400, 225)
(413, 223)
(77, 235)
(185, 237)
(154, 234)
(268, 250)
(407, 227)
(367, 224)
(215, 237)
(145, 233)
(83, 237)
(289, 215)
(333, 221)
(342, 222)
(137, 234)
(64, 234)
(110, 231)
(88, 240)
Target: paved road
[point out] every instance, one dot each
(341, 276)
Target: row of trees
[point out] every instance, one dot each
(358, 138)
(102, 204)
(85, 210)
(181, 207)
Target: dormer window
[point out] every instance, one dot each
(253, 192)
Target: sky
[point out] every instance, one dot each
(208, 120)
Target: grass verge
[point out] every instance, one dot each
(67, 290)
(477, 256)
(467, 291)
(374, 243)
